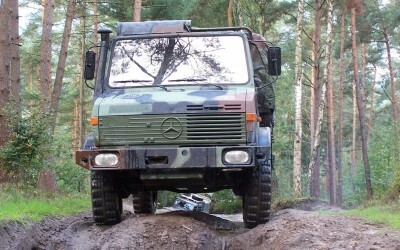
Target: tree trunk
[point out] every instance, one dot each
(339, 196)
(298, 97)
(364, 74)
(330, 112)
(47, 176)
(81, 82)
(15, 59)
(75, 142)
(45, 54)
(5, 57)
(315, 96)
(394, 99)
(327, 77)
(95, 33)
(61, 64)
(371, 109)
(239, 14)
(360, 106)
(230, 13)
(47, 181)
(317, 144)
(137, 9)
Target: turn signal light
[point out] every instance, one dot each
(94, 121)
(251, 117)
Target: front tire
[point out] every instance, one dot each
(106, 202)
(145, 202)
(257, 199)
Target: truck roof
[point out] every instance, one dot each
(168, 26)
(153, 27)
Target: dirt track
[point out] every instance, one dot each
(288, 229)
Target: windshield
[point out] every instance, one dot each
(178, 61)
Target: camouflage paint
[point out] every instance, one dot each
(115, 107)
(165, 158)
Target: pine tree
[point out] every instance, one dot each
(46, 84)
(298, 96)
(5, 62)
(355, 7)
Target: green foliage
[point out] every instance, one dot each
(388, 214)
(168, 10)
(383, 165)
(30, 147)
(122, 11)
(70, 177)
(283, 133)
(209, 13)
(393, 192)
(27, 150)
(165, 198)
(225, 202)
(22, 203)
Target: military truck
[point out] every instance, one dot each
(192, 202)
(175, 108)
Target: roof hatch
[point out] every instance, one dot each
(153, 27)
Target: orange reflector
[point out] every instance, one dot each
(259, 119)
(251, 117)
(94, 121)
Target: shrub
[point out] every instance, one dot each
(225, 202)
(28, 147)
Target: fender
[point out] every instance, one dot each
(89, 142)
(264, 137)
(264, 143)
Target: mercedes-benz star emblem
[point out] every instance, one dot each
(171, 128)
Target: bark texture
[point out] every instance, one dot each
(317, 138)
(229, 13)
(15, 58)
(361, 113)
(298, 97)
(339, 195)
(330, 112)
(394, 98)
(137, 10)
(5, 56)
(45, 55)
(315, 95)
(47, 181)
(61, 64)
(371, 109)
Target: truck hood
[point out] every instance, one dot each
(128, 102)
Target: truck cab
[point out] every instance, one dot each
(175, 108)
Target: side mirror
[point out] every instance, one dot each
(274, 61)
(90, 63)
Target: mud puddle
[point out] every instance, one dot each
(290, 228)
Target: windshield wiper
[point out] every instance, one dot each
(141, 83)
(196, 80)
(133, 81)
(188, 80)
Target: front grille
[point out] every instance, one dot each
(209, 127)
(173, 129)
(227, 107)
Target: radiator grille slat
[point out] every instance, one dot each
(190, 129)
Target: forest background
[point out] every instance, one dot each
(336, 123)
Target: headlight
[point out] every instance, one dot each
(236, 157)
(106, 160)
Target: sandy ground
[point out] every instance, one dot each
(299, 227)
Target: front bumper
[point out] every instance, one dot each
(166, 158)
